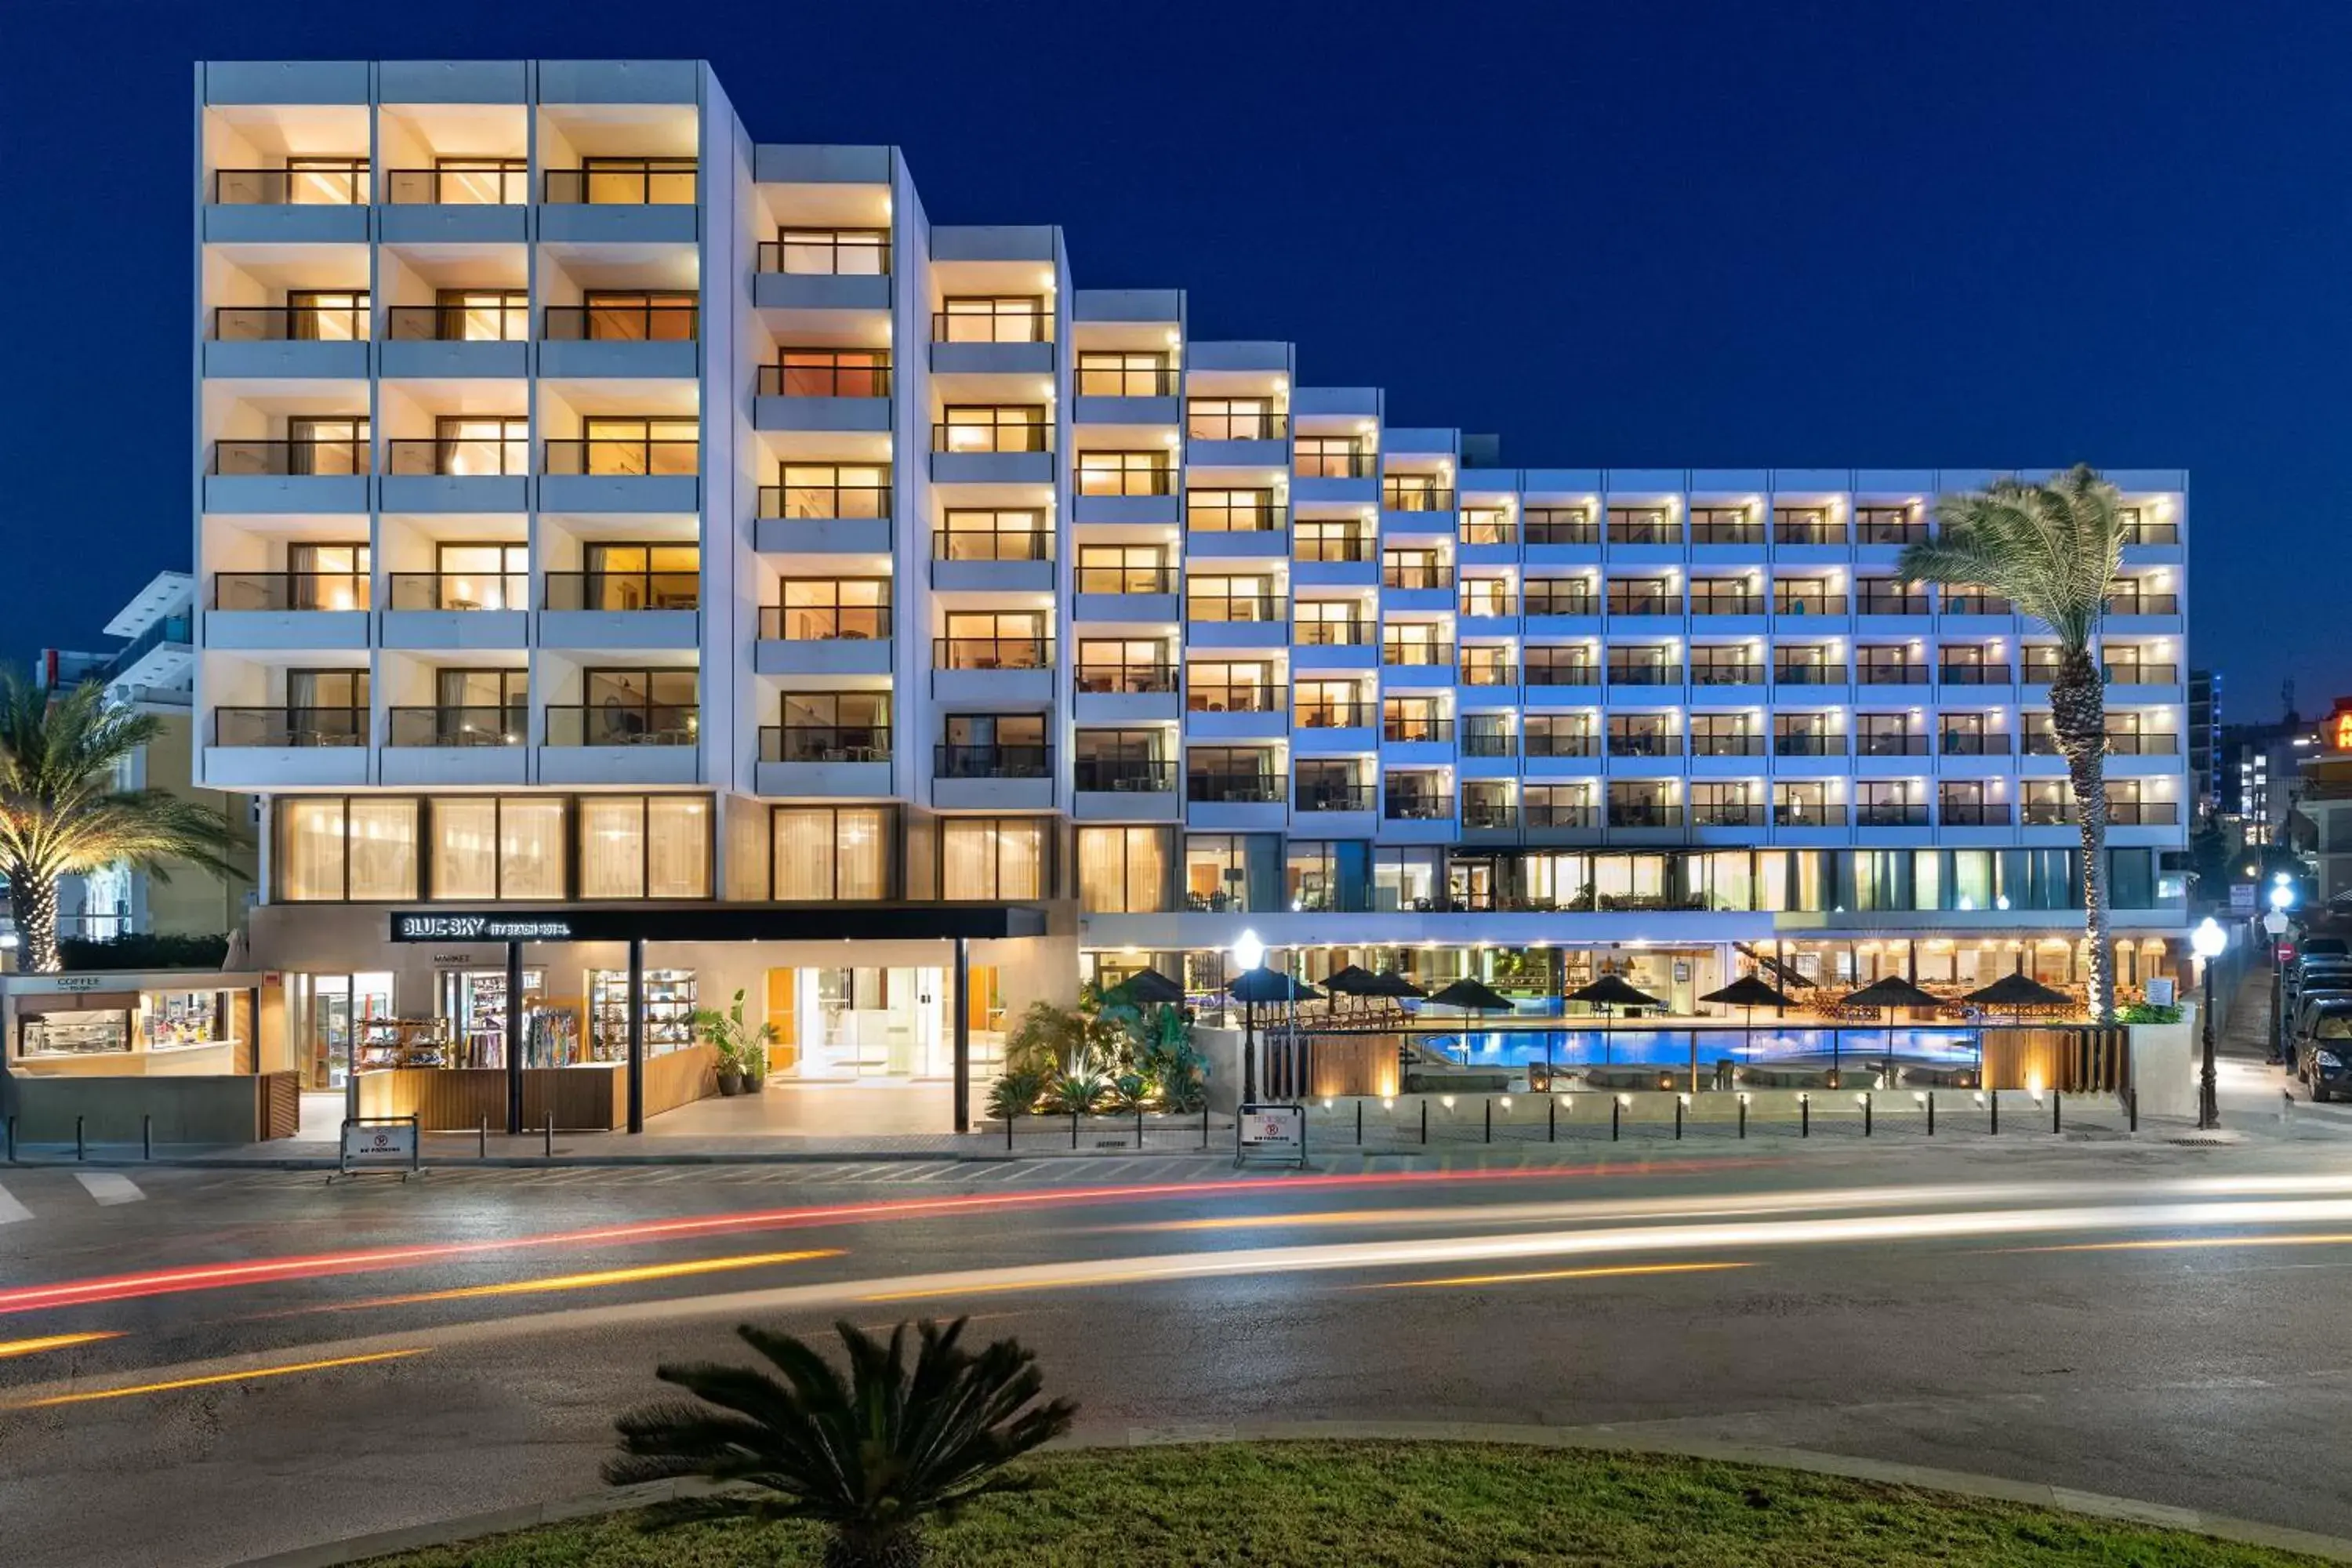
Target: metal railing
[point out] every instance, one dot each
(826, 503)
(2143, 603)
(1727, 674)
(1643, 602)
(606, 457)
(1031, 323)
(1810, 675)
(1487, 528)
(623, 591)
(1976, 605)
(1973, 813)
(1472, 671)
(1489, 743)
(1333, 634)
(1645, 674)
(1233, 787)
(1643, 528)
(505, 323)
(1868, 674)
(1123, 775)
(1030, 435)
(1502, 605)
(1541, 598)
(325, 458)
(1645, 744)
(1743, 529)
(460, 591)
(832, 379)
(1875, 603)
(1126, 679)
(1395, 497)
(1354, 546)
(1246, 425)
(1788, 813)
(1974, 675)
(1808, 531)
(992, 653)
(1235, 607)
(460, 726)
(1356, 464)
(1335, 716)
(293, 323)
(1128, 380)
(2142, 743)
(1489, 817)
(1414, 805)
(1726, 745)
(1735, 814)
(1546, 526)
(1972, 743)
(1411, 729)
(1415, 574)
(1891, 814)
(1725, 603)
(2150, 533)
(2143, 813)
(2141, 674)
(992, 544)
(1643, 813)
(824, 742)
(1416, 654)
(1539, 742)
(290, 727)
(1800, 603)
(619, 187)
(623, 724)
(624, 324)
(969, 761)
(1560, 814)
(1102, 479)
(2052, 813)
(506, 182)
(1809, 745)
(1866, 744)
(1554, 672)
(1252, 516)
(825, 623)
(341, 185)
(1236, 697)
(237, 591)
(828, 252)
(1315, 796)
(459, 457)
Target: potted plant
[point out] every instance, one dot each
(742, 1050)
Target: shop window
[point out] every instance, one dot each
(832, 855)
(667, 1011)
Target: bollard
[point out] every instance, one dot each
(1008, 1133)
(77, 1144)
(1139, 1128)
(1804, 1116)
(1204, 1125)
(12, 1140)
(1551, 1119)
(2131, 1106)
(1931, 1113)
(1424, 1121)
(147, 1137)
(1615, 1105)
(1490, 1119)
(1992, 1108)
(482, 1141)
(1073, 1128)
(1743, 1116)
(1678, 1118)
(549, 1147)
(1360, 1121)
(1865, 1114)
(2055, 1098)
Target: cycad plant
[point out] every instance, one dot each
(871, 1457)
(61, 815)
(2053, 549)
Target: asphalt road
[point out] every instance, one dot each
(275, 1361)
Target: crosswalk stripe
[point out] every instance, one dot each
(110, 1187)
(11, 1211)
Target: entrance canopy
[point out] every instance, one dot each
(726, 922)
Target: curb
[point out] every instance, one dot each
(542, 1162)
(1597, 1439)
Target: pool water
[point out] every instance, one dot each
(1666, 1047)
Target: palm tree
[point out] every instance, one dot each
(2052, 549)
(61, 815)
(871, 1458)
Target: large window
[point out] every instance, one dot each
(346, 850)
(822, 609)
(826, 854)
(830, 491)
(645, 846)
(1117, 473)
(994, 858)
(491, 847)
(1123, 870)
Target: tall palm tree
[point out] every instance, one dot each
(61, 815)
(2053, 549)
(870, 1457)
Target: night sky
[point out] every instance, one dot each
(1881, 235)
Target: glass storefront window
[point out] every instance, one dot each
(667, 1011)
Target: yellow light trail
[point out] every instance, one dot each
(1630, 1268)
(53, 1343)
(2168, 1244)
(178, 1383)
(636, 1276)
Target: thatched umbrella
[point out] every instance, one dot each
(1748, 993)
(1887, 994)
(1608, 991)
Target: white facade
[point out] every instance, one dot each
(557, 442)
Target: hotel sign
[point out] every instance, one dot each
(722, 922)
(2339, 728)
(480, 928)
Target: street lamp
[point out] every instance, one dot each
(1248, 952)
(2208, 940)
(2275, 923)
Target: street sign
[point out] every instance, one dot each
(381, 1143)
(2160, 990)
(2241, 898)
(1271, 1132)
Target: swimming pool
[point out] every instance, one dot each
(1667, 1047)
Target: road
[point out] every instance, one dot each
(197, 1368)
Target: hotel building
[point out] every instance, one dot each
(598, 507)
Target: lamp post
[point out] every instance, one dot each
(2208, 940)
(1248, 952)
(2275, 923)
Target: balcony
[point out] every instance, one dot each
(1727, 674)
(1473, 670)
(1542, 598)
(1891, 814)
(1972, 743)
(1645, 674)
(1548, 742)
(475, 475)
(2143, 603)
(1108, 789)
(288, 611)
(597, 610)
(2141, 674)
(1001, 778)
(457, 611)
(1645, 743)
(1717, 603)
(1710, 526)
(1974, 675)
(1243, 619)
(1416, 805)
(825, 392)
(1417, 738)
(1252, 514)
(589, 342)
(308, 475)
(316, 201)
(2142, 743)
(1729, 813)
(280, 746)
(1548, 815)
(662, 475)
(457, 745)
(612, 742)
(1809, 745)
(825, 760)
(1644, 814)
(1316, 797)
(1973, 813)
(1806, 814)
(1885, 602)
(1559, 672)
(487, 338)
(653, 202)
(1545, 526)
(1867, 744)
(472, 201)
(1890, 675)
(1788, 603)
(1634, 602)
(1107, 692)
(1961, 603)
(1401, 496)
(306, 342)
(1809, 529)
(1726, 745)
(2143, 813)
(1011, 669)
(808, 274)
(851, 639)
(1653, 529)
(824, 520)
(1489, 743)
(1323, 726)
(1808, 675)
(2045, 813)
(1490, 817)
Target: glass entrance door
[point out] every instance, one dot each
(328, 1011)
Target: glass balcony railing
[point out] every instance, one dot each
(290, 727)
(992, 761)
(623, 591)
(460, 591)
(824, 744)
(243, 591)
(459, 726)
(623, 724)
(1123, 775)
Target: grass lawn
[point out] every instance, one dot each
(1370, 1505)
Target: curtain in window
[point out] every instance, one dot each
(1102, 870)
(530, 848)
(968, 859)
(804, 855)
(613, 847)
(862, 863)
(466, 848)
(310, 866)
(382, 849)
(1020, 861)
(677, 839)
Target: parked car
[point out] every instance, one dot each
(2325, 1061)
(2308, 1007)
(2326, 946)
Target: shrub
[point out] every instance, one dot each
(2148, 1012)
(143, 950)
(1018, 1091)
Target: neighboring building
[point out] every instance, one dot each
(154, 672)
(2257, 775)
(2203, 739)
(2326, 802)
(595, 507)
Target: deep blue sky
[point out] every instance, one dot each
(1878, 235)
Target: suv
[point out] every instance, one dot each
(2325, 1060)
